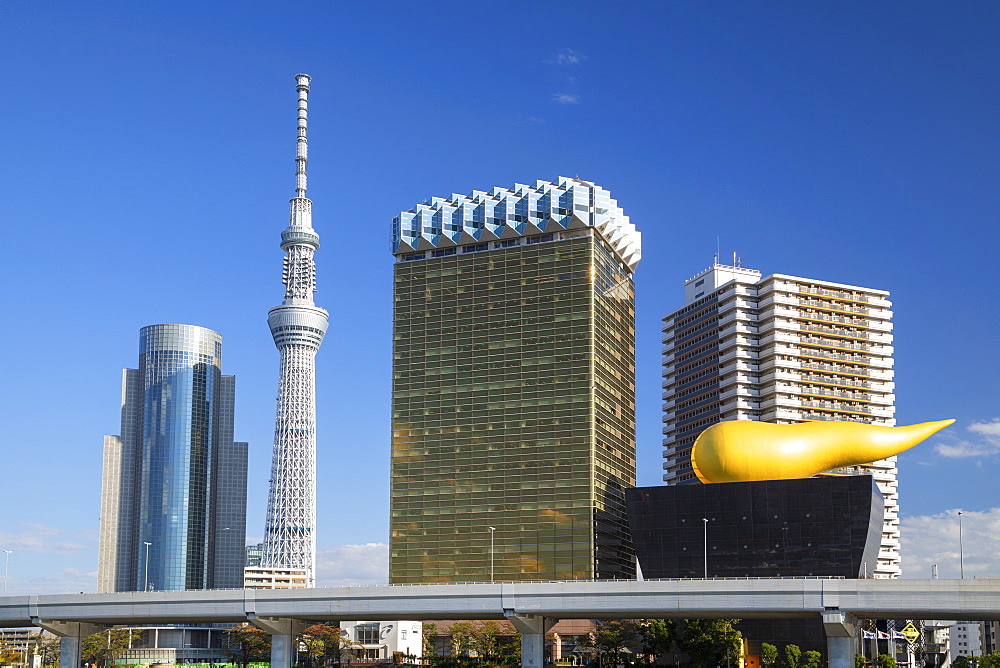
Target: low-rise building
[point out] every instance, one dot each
(274, 577)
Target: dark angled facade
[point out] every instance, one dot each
(828, 526)
(513, 386)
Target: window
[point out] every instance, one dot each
(443, 253)
(699, 283)
(366, 634)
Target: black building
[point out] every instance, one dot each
(828, 526)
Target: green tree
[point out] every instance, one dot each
(990, 660)
(792, 657)
(612, 640)
(49, 647)
(104, 647)
(710, 641)
(812, 659)
(323, 645)
(860, 661)
(461, 638)
(8, 655)
(961, 662)
(246, 644)
(657, 637)
(427, 641)
(885, 661)
(485, 638)
(768, 654)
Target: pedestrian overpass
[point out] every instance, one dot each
(532, 607)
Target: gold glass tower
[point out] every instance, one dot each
(513, 391)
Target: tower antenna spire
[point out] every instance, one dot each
(298, 327)
(302, 144)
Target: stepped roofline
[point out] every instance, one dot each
(519, 211)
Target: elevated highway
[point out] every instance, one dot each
(531, 606)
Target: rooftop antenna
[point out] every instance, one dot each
(736, 261)
(716, 256)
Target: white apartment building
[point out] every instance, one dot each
(275, 577)
(780, 349)
(964, 640)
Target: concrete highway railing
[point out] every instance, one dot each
(531, 606)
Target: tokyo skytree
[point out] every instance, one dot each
(297, 326)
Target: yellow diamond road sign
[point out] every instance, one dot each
(910, 632)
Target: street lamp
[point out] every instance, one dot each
(705, 520)
(6, 567)
(145, 577)
(961, 550)
(492, 530)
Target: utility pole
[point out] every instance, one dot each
(492, 531)
(705, 520)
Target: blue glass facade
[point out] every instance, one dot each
(180, 366)
(174, 501)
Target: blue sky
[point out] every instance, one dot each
(146, 160)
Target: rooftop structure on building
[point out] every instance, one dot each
(513, 386)
(298, 327)
(780, 349)
(463, 223)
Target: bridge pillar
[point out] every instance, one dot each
(533, 629)
(841, 628)
(71, 636)
(283, 631)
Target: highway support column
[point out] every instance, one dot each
(841, 629)
(71, 636)
(283, 631)
(532, 629)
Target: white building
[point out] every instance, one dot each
(964, 640)
(780, 349)
(275, 577)
(377, 641)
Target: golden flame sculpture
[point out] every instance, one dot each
(744, 450)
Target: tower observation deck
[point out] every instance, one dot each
(298, 327)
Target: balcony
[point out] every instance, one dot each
(836, 294)
(834, 319)
(832, 307)
(834, 331)
(850, 396)
(838, 381)
(836, 406)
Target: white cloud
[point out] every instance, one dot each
(45, 539)
(567, 57)
(59, 581)
(565, 98)
(366, 564)
(991, 429)
(984, 443)
(933, 539)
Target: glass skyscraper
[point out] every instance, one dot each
(173, 506)
(513, 386)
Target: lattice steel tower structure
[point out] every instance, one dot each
(298, 327)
